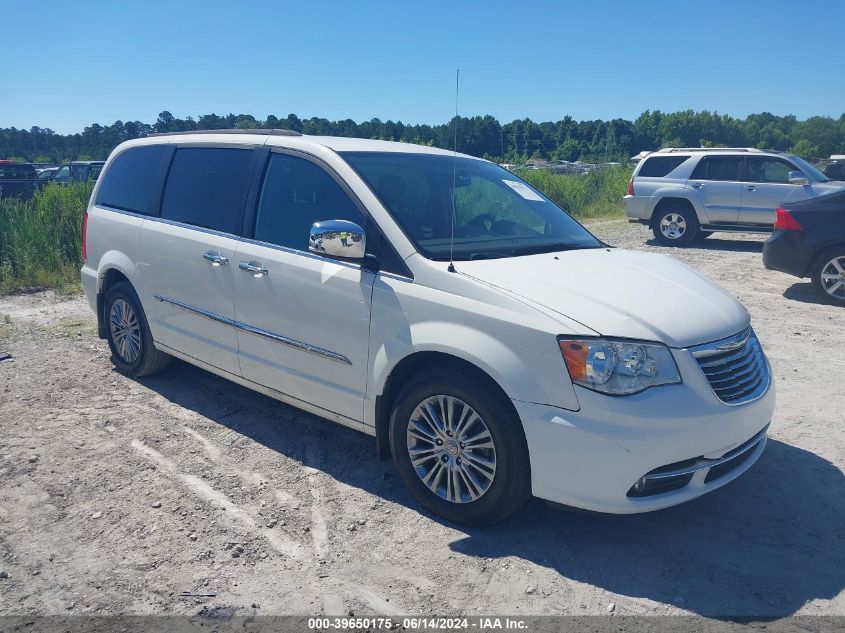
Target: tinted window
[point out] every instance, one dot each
(759, 169)
(63, 174)
(133, 181)
(207, 187)
(659, 166)
(718, 168)
(296, 193)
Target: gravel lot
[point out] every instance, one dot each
(185, 494)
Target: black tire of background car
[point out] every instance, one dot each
(816, 273)
(689, 216)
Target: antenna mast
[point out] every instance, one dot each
(451, 268)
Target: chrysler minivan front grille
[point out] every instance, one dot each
(735, 367)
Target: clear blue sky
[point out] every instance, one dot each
(73, 63)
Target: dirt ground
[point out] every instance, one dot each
(185, 494)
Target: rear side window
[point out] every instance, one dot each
(718, 168)
(207, 187)
(659, 166)
(296, 193)
(133, 181)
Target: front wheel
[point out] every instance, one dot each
(828, 275)
(676, 226)
(460, 448)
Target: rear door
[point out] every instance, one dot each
(188, 252)
(303, 319)
(767, 184)
(718, 186)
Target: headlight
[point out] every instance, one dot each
(618, 368)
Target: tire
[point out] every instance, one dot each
(675, 224)
(475, 493)
(828, 275)
(133, 352)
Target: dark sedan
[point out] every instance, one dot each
(809, 241)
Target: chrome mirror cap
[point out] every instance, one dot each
(797, 178)
(337, 238)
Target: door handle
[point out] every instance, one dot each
(751, 188)
(216, 259)
(698, 185)
(257, 270)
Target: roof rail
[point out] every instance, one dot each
(260, 132)
(668, 150)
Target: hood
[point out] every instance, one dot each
(619, 293)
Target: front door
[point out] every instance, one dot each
(303, 319)
(188, 255)
(717, 185)
(766, 186)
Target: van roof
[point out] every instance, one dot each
(289, 138)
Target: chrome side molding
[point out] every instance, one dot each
(246, 327)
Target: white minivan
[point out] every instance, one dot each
(492, 345)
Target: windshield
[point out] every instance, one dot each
(496, 213)
(809, 170)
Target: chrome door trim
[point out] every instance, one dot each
(196, 310)
(309, 255)
(284, 340)
(246, 327)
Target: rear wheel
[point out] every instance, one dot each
(459, 448)
(828, 275)
(675, 225)
(128, 333)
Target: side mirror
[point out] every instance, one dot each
(338, 238)
(798, 178)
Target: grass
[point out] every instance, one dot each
(41, 239)
(597, 194)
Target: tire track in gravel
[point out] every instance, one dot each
(281, 544)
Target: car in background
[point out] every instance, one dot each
(47, 173)
(78, 171)
(809, 241)
(17, 179)
(835, 169)
(688, 193)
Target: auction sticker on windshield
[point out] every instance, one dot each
(522, 189)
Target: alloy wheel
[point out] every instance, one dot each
(125, 331)
(673, 226)
(451, 449)
(833, 277)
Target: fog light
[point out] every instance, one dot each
(640, 485)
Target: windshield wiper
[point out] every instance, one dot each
(549, 248)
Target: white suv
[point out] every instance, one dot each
(688, 193)
(487, 340)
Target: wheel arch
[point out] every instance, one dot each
(672, 199)
(820, 253)
(114, 268)
(413, 364)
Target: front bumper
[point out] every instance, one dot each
(591, 458)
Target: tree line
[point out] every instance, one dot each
(567, 139)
